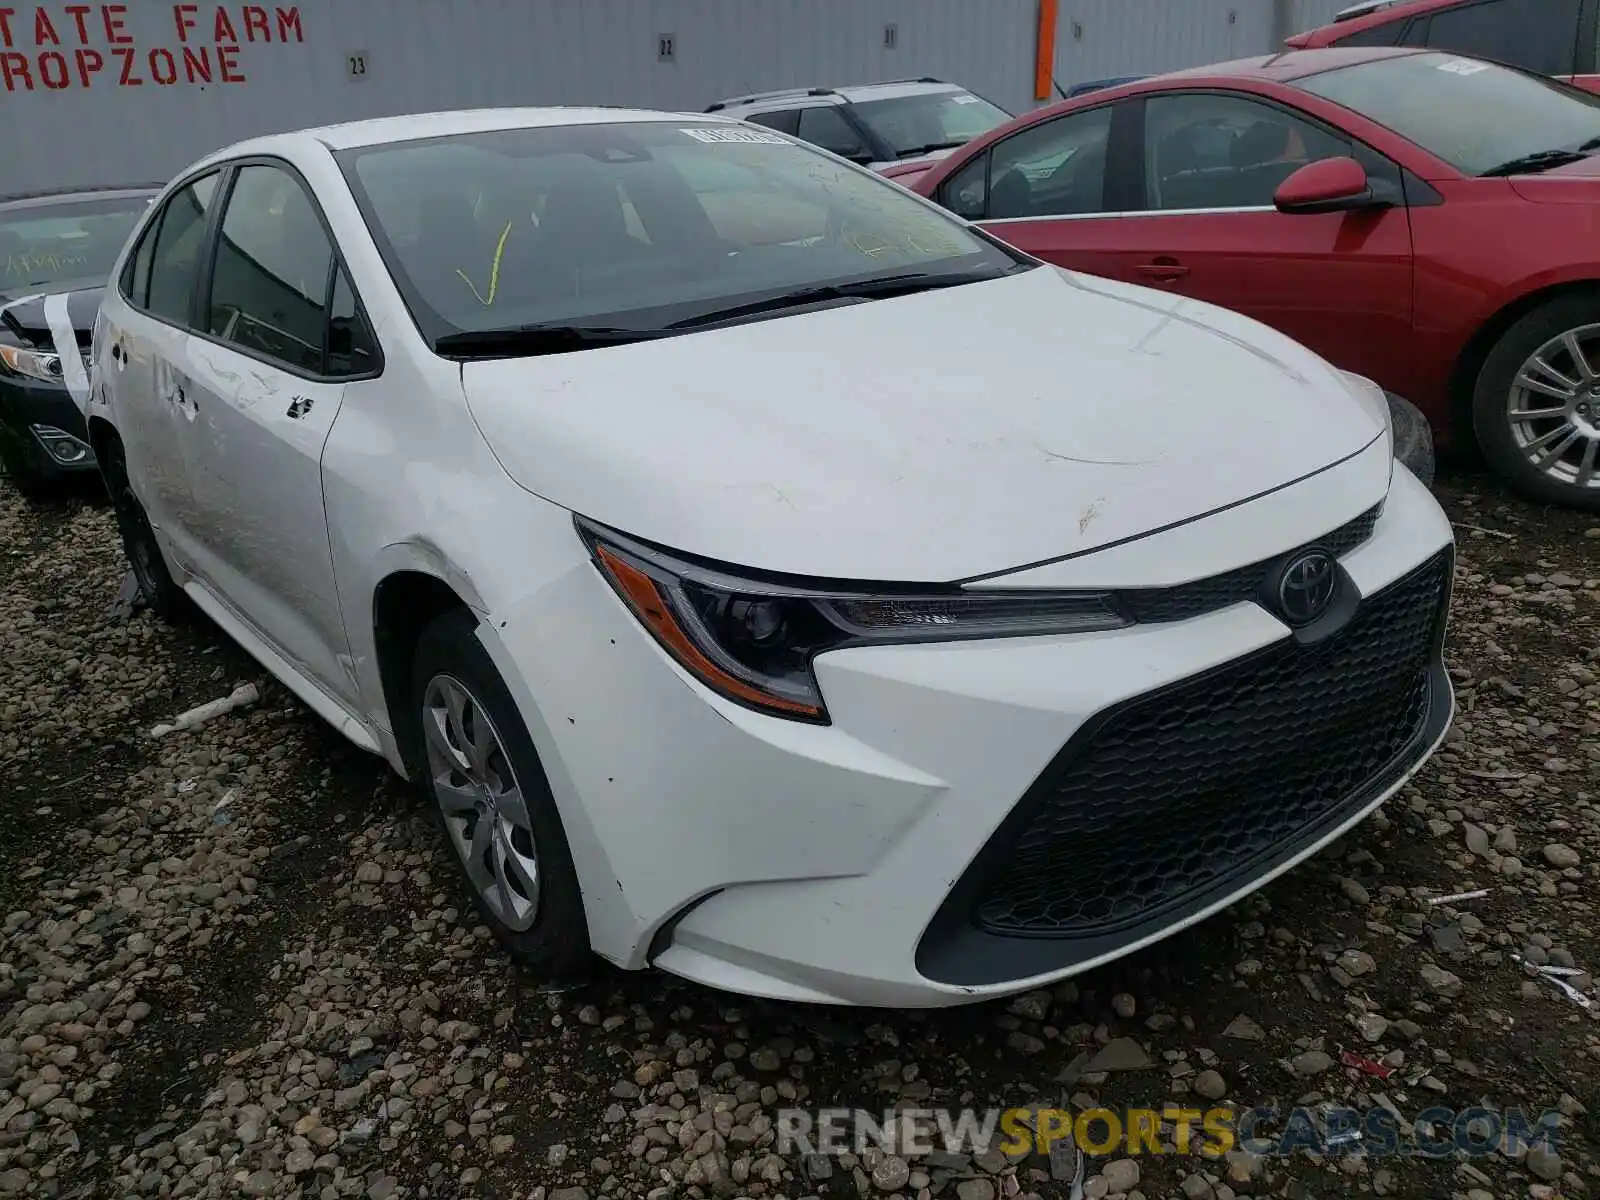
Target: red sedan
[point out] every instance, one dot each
(1554, 37)
(1428, 220)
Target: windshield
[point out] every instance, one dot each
(929, 121)
(1474, 115)
(638, 225)
(44, 244)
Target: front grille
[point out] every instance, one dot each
(1205, 595)
(1178, 791)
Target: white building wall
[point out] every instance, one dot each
(1101, 38)
(99, 111)
(1308, 14)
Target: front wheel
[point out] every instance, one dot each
(493, 802)
(1536, 406)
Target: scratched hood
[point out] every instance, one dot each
(929, 437)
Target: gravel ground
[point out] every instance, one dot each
(234, 961)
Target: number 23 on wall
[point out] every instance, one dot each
(356, 64)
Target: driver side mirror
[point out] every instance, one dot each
(1330, 185)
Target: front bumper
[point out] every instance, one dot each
(33, 413)
(860, 862)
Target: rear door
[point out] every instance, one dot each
(1046, 189)
(147, 336)
(280, 335)
(1205, 226)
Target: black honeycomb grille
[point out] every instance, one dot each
(1148, 605)
(1181, 790)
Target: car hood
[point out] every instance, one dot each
(907, 173)
(920, 162)
(1563, 184)
(925, 438)
(27, 309)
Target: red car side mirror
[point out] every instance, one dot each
(1330, 185)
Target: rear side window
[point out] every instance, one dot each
(136, 275)
(1387, 34)
(784, 122)
(1536, 35)
(175, 257)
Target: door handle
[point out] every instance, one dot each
(1163, 269)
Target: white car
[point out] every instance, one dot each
(773, 579)
(901, 124)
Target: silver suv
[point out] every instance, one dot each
(874, 124)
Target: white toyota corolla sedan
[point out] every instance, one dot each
(771, 578)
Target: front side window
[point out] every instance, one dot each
(179, 237)
(636, 225)
(269, 280)
(1476, 116)
(1055, 168)
(824, 125)
(927, 121)
(76, 240)
(1210, 151)
(1536, 35)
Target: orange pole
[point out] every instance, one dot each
(1044, 66)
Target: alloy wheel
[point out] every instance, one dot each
(485, 811)
(1553, 408)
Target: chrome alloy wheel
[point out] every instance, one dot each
(484, 810)
(1553, 408)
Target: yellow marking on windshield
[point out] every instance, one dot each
(494, 270)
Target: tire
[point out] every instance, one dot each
(1413, 438)
(549, 936)
(160, 591)
(1510, 446)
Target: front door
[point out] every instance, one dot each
(264, 395)
(1339, 283)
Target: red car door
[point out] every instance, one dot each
(1044, 189)
(1209, 164)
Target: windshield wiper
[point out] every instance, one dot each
(929, 148)
(867, 289)
(528, 341)
(1540, 160)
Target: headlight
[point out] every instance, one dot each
(753, 641)
(32, 363)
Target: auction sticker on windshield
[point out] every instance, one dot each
(1462, 66)
(737, 135)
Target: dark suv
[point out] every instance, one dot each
(1552, 37)
(56, 249)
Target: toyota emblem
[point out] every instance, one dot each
(1306, 587)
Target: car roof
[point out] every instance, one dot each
(852, 93)
(380, 131)
(46, 199)
(1288, 65)
(1353, 20)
